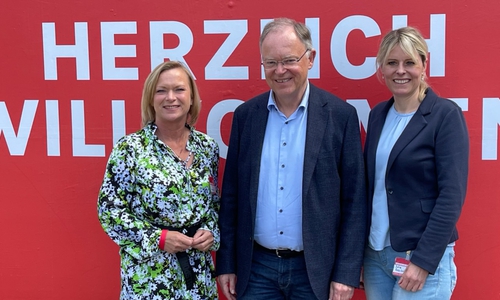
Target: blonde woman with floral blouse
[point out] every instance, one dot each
(159, 198)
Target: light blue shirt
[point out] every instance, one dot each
(394, 125)
(278, 223)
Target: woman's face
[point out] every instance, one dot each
(402, 74)
(172, 97)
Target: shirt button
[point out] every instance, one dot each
(281, 210)
(282, 166)
(390, 192)
(286, 122)
(281, 188)
(281, 232)
(284, 143)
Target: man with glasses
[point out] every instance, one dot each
(293, 206)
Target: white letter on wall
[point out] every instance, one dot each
(338, 47)
(118, 117)
(436, 42)
(52, 121)
(17, 143)
(491, 121)
(110, 51)
(78, 130)
(362, 109)
(51, 51)
(462, 102)
(215, 69)
(214, 120)
(158, 51)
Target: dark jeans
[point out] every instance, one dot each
(274, 278)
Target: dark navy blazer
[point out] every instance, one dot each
(333, 189)
(426, 177)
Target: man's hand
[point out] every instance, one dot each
(413, 278)
(227, 283)
(339, 291)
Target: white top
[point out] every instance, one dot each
(394, 125)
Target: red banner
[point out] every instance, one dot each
(72, 75)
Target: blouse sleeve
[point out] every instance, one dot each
(135, 236)
(213, 213)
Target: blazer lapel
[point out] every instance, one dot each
(373, 138)
(317, 120)
(416, 124)
(258, 121)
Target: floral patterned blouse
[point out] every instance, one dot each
(146, 186)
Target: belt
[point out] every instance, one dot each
(182, 257)
(281, 253)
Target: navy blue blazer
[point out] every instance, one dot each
(426, 177)
(333, 189)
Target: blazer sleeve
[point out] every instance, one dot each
(452, 162)
(228, 213)
(352, 232)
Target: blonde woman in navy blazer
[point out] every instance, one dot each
(416, 154)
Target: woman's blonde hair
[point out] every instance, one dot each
(148, 92)
(412, 43)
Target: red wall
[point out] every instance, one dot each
(59, 116)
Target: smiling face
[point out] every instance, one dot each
(172, 97)
(402, 74)
(288, 84)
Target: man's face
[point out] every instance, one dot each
(287, 82)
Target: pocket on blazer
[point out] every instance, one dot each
(427, 205)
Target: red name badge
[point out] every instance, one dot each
(400, 265)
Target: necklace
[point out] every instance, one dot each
(185, 162)
(172, 153)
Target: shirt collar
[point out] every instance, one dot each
(150, 129)
(303, 103)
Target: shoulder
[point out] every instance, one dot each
(130, 145)
(438, 105)
(319, 93)
(381, 106)
(205, 140)
(201, 136)
(255, 102)
(132, 140)
(329, 101)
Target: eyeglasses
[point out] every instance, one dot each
(271, 64)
